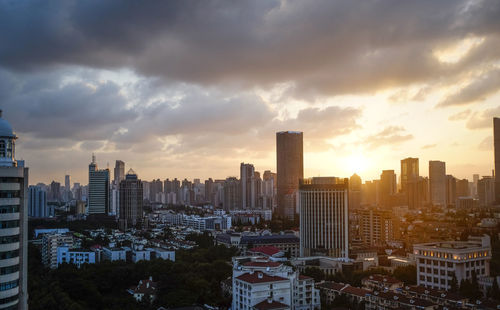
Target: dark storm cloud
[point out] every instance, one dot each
(323, 47)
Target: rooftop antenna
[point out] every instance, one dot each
(93, 157)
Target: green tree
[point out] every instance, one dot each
(454, 283)
(407, 274)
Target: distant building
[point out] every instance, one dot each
(131, 193)
(50, 243)
(119, 172)
(290, 169)
(146, 290)
(496, 144)
(409, 182)
(376, 226)
(324, 217)
(486, 191)
(388, 187)
(232, 194)
(438, 262)
(98, 200)
(354, 192)
(437, 182)
(248, 189)
(37, 203)
(114, 254)
(76, 257)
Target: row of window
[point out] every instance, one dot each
(436, 271)
(9, 299)
(435, 262)
(8, 270)
(9, 254)
(9, 239)
(10, 194)
(9, 224)
(9, 285)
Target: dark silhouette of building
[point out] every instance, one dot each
(131, 202)
(496, 142)
(409, 182)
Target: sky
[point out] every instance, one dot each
(190, 89)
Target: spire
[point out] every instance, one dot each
(93, 158)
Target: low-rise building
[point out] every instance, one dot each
(77, 257)
(50, 243)
(381, 283)
(114, 254)
(146, 290)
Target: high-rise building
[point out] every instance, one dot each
(437, 182)
(354, 192)
(269, 190)
(475, 179)
(98, 200)
(486, 191)
(377, 227)
(156, 187)
(388, 187)
(232, 194)
(409, 182)
(67, 182)
(496, 142)
(463, 188)
(247, 183)
(451, 190)
(14, 223)
(290, 169)
(324, 217)
(55, 191)
(119, 172)
(209, 185)
(37, 203)
(130, 200)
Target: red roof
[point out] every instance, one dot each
(302, 277)
(266, 250)
(351, 290)
(270, 305)
(259, 277)
(382, 278)
(262, 264)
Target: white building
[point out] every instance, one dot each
(50, 243)
(259, 283)
(77, 257)
(114, 254)
(437, 262)
(13, 223)
(162, 253)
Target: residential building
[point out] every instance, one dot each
(324, 217)
(13, 223)
(437, 182)
(290, 169)
(486, 191)
(37, 202)
(248, 189)
(131, 194)
(76, 257)
(376, 226)
(114, 254)
(50, 243)
(146, 290)
(232, 194)
(438, 262)
(388, 187)
(119, 172)
(496, 145)
(409, 182)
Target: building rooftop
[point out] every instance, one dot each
(266, 250)
(259, 277)
(270, 305)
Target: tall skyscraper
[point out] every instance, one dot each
(247, 183)
(37, 202)
(388, 187)
(14, 220)
(67, 182)
(130, 200)
(232, 194)
(409, 182)
(290, 169)
(496, 142)
(354, 192)
(324, 217)
(98, 189)
(451, 190)
(475, 180)
(437, 182)
(119, 172)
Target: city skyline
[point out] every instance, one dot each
(369, 95)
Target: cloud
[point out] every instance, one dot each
(391, 135)
(460, 115)
(428, 146)
(478, 90)
(484, 119)
(323, 47)
(486, 144)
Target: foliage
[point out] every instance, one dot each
(407, 274)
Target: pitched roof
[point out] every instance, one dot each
(270, 305)
(331, 285)
(262, 264)
(259, 277)
(382, 278)
(351, 290)
(147, 287)
(266, 250)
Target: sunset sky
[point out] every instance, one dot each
(193, 88)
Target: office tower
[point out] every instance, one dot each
(119, 172)
(354, 192)
(98, 200)
(290, 169)
(247, 184)
(437, 182)
(37, 202)
(451, 190)
(377, 227)
(14, 223)
(486, 191)
(475, 179)
(269, 190)
(409, 182)
(423, 190)
(388, 187)
(55, 191)
(463, 188)
(370, 193)
(324, 217)
(496, 142)
(209, 184)
(232, 194)
(130, 200)
(155, 189)
(67, 182)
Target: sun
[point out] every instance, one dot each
(356, 163)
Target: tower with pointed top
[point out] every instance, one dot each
(13, 223)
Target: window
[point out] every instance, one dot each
(9, 224)
(9, 239)
(9, 149)
(2, 148)
(9, 209)
(10, 269)
(9, 254)
(9, 285)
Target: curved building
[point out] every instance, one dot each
(324, 217)
(13, 223)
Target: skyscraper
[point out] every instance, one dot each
(247, 183)
(130, 200)
(354, 192)
(290, 169)
(324, 217)
(14, 223)
(119, 172)
(232, 194)
(409, 182)
(388, 187)
(98, 189)
(37, 202)
(496, 142)
(437, 182)
(67, 182)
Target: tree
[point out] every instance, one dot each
(315, 273)
(454, 283)
(407, 274)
